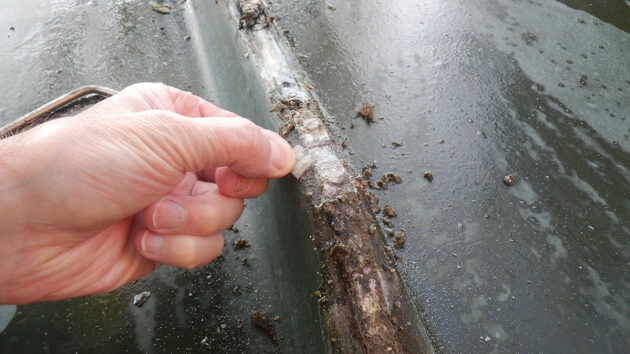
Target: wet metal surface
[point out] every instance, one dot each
(54, 47)
(477, 90)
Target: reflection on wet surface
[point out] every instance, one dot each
(476, 90)
(55, 47)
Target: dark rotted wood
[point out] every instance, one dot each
(361, 294)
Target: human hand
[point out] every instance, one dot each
(149, 176)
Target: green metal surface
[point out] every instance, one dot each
(474, 91)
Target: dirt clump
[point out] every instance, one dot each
(428, 175)
(163, 9)
(241, 243)
(373, 199)
(400, 237)
(233, 229)
(252, 14)
(382, 183)
(287, 128)
(261, 320)
(392, 177)
(508, 180)
(366, 112)
(389, 211)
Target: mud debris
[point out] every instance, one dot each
(344, 143)
(360, 184)
(233, 229)
(367, 173)
(508, 180)
(366, 112)
(280, 106)
(400, 237)
(287, 128)
(387, 221)
(392, 177)
(373, 199)
(141, 298)
(250, 10)
(428, 175)
(163, 9)
(389, 177)
(261, 320)
(241, 243)
(253, 14)
(396, 144)
(389, 211)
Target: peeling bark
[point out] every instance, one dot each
(362, 298)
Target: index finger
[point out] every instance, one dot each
(147, 96)
(190, 145)
(190, 105)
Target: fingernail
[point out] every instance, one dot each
(169, 215)
(243, 184)
(281, 153)
(151, 244)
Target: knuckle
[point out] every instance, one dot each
(183, 95)
(147, 85)
(251, 137)
(163, 115)
(245, 126)
(138, 87)
(144, 89)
